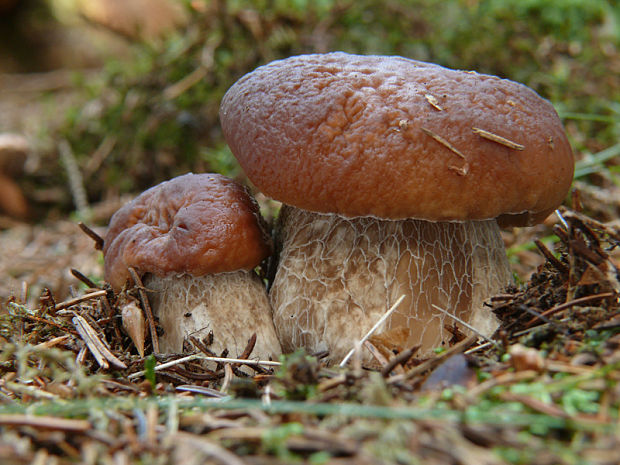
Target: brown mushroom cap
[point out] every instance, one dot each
(397, 138)
(197, 224)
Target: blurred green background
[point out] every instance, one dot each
(149, 113)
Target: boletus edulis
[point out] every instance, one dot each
(196, 240)
(394, 174)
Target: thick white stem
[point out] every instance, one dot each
(337, 276)
(232, 305)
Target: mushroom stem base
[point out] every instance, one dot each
(231, 305)
(337, 276)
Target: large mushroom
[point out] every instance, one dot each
(394, 174)
(196, 240)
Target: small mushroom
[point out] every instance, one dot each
(13, 153)
(196, 240)
(394, 174)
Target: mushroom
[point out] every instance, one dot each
(13, 153)
(196, 240)
(394, 174)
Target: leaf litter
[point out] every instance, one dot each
(74, 388)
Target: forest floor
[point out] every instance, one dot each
(545, 391)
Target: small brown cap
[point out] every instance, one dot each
(397, 138)
(196, 223)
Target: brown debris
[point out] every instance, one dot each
(435, 361)
(525, 358)
(498, 139)
(399, 360)
(443, 142)
(40, 256)
(93, 235)
(134, 324)
(574, 291)
(146, 307)
(96, 345)
(77, 300)
(45, 422)
(433, 101)
(562, 291)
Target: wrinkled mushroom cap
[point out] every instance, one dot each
(196, 224)
(397, 138)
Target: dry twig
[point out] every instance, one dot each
(97, 347)
(144, 300)
(497, 139)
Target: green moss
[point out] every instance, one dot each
(164, 126)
